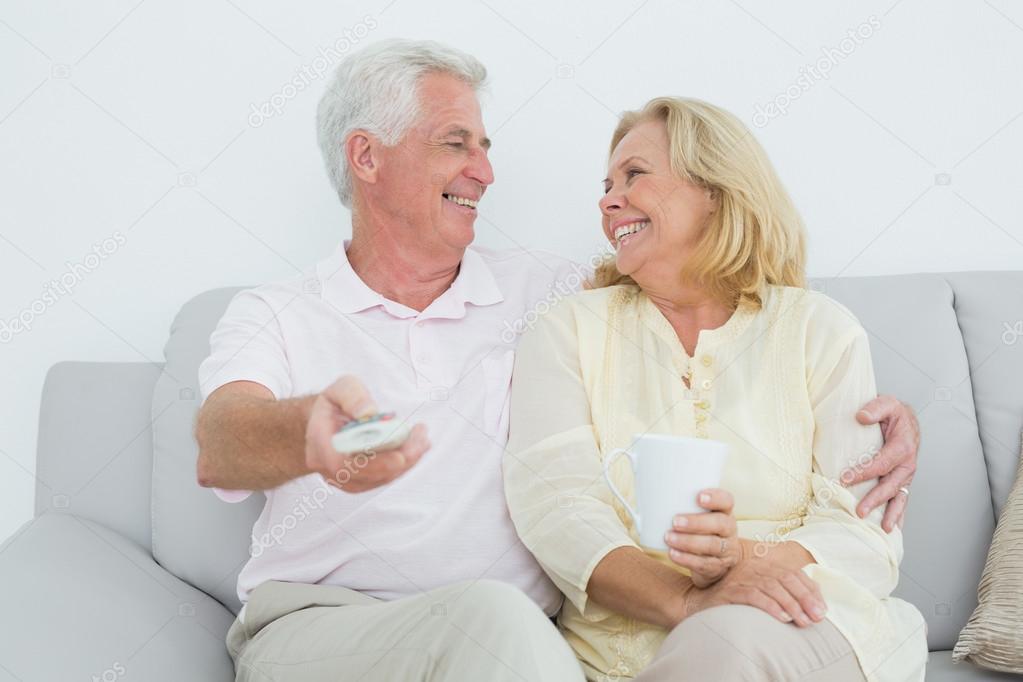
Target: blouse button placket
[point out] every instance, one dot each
(704, 385)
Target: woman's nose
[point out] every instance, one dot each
(611, 203)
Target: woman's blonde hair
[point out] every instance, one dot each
(755, 236)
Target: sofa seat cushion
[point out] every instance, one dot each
(940, 668)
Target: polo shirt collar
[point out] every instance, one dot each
(474, 284)
(346, 292)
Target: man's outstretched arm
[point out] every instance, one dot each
(248, 440)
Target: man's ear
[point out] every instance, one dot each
(361, 152)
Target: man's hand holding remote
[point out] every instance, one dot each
(344, 400)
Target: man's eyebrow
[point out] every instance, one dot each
(465, 135)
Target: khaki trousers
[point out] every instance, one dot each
(482, 630)
(742, 643)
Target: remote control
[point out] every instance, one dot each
(380, 431)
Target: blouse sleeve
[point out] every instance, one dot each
(559, 503)
(840, 379)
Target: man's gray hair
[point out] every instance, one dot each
(376, 90)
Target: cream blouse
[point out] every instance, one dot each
(780, 384)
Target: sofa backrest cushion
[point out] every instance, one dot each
(196, 536)
(95, 448)
(919, 357)
(989, 306)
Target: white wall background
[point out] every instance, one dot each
(131, 122)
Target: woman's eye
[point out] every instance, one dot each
(633, 171)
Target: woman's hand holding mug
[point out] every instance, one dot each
(707, 543)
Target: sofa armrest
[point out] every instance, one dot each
(78, 600)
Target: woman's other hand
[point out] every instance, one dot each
(707, 543)
(787, 594)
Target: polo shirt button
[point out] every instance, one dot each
(706, 384)
(707, 360)
(421, 323)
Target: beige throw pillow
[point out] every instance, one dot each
(993, 637)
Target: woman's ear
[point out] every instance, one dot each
(714, 197)
(360, 150)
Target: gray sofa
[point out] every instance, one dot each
(128, 569)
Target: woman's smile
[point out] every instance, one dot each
(625, 234)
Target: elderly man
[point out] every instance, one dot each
(401, 564)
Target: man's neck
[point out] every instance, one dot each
(404, 273)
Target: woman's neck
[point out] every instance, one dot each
(689, 310)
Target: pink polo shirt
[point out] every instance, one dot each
(449, 366)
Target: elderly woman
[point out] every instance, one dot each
(702, 326)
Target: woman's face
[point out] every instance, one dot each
(653, 218)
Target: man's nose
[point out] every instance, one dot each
(479, 168)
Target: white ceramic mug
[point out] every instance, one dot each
(670, 472)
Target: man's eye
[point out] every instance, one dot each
(453, 144)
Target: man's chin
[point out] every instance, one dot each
(467, 241)
(455, 231)
(458, 234)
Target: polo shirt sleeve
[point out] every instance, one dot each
(246, 345)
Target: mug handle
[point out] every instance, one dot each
(608, 461)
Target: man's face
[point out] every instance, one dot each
(429, 182)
